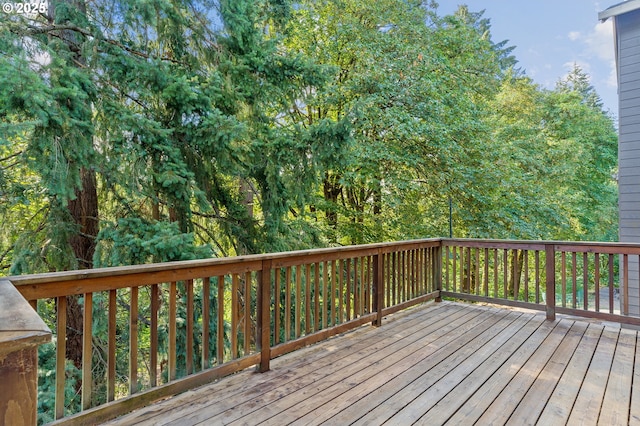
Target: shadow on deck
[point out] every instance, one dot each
(440, 363)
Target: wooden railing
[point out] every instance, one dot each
(152, 331)
(179, 325)
(585, 279)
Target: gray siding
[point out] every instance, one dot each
(628, 45)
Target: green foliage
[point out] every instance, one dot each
(134, 241)
(217, 128)
(47, 385)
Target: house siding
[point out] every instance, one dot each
(628, 45)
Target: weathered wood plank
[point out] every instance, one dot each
(540, 391)
(426, 387)
(458, 393)
(589, 401)
(227, 395)
(617, 397)
(430, 349)
(446, 364)
(484, 396)
(511, 395)
(559, 405)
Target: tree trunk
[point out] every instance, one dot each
(84, 210)
(332, 189)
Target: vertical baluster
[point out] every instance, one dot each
(287, 305)
(464, 277)
(485, 282)
(341, 290)
(454, 269)
(505, 273)
(348, 290)
(412, 274)
(418, 269)
(387, 266)
(111, 347)
(537, 260)
(495, 272)
(526, 275)
(316, 296)
(563, 262)
(469, 271)
(405, 277)
(478, 281)
(416, 273)
(133, 342)
(364, 293)
(61, 349)
(394, 278)
(597, 281)
(234, 316)
(87, 352)
(574, 279)
(334, 317)
(276, 306)
(625, 284)
(325, 295)
(173, 301)
(307, 299)
(220, 321)
(423, 276)
(370, 295)
(585, 280)
(611, 283)
(515, 276)
(247, 314)
(356, 288)
(206, 321)
(190, 310)
(298, 300)
(153, 335)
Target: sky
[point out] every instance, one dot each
(550, 36)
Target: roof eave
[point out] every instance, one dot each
(619, 9)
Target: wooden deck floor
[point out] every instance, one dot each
(445, 363)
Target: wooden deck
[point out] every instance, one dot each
(444, 363)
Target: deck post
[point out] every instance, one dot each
(21, 332)
(437, 270)
(263, 329)
(378, 287)
(550, 294)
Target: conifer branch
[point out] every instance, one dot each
(55, 28)
(9, 157)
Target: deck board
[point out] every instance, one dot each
(441, 363)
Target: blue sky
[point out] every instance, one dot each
(550, 35)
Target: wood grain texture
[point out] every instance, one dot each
(440, 363)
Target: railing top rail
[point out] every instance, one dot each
(568, 246)
(71, 282)
(619, 247)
